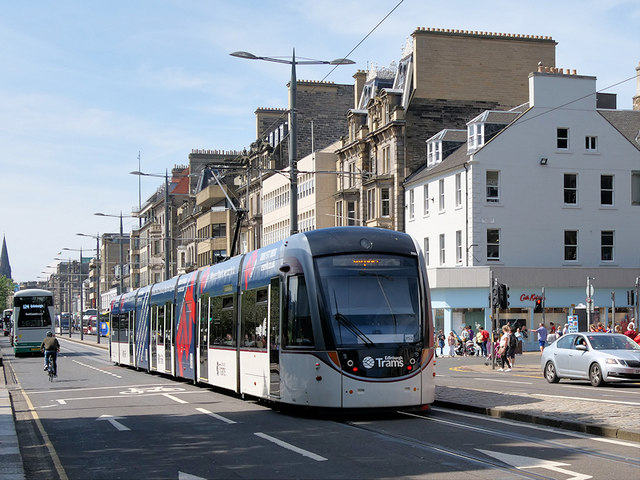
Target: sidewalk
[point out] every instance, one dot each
(10, 457)
(596, 417)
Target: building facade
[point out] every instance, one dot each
(544, 198)
(444, 77)
(321, 119)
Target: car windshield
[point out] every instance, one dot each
(371, 299)
(612, 342)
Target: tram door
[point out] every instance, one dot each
(203, 338)
(169, 337)
(154, 338)
(274, 338)
(161, 336)
(132, 338)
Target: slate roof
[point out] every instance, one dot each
(627, 122)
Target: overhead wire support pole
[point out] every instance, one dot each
(167, 258)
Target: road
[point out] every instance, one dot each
(100, 421)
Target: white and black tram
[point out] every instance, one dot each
(336, 317)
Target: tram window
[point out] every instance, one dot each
(222, 331)
(124, 328)
(254, 318)
(160, 316)
(298, 328)
(274, 319)
(168, 330)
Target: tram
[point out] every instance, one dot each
(337, 318)
(33, 317)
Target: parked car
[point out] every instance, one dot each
(597, 357)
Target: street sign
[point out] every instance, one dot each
(590, 290)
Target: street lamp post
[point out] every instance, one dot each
(121, 283)
(69, 293)
(97, 237)
(81, 306)
(293, 127)
(167, 246)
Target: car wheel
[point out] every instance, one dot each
(550, 373)
(595, 375)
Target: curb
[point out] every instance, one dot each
(601, 431)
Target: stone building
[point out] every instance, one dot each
(444, 77)
(321, 119)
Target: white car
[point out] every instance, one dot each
(597, 357)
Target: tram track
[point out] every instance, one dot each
(521, 437)
(478, 460)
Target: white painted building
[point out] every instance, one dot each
(542, 196)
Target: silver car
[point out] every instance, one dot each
(597, 357)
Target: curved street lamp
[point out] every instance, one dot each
(293, 153)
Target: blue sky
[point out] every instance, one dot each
(85, 86)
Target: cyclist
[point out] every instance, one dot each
(50, 347)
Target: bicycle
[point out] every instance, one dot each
(51, 371)
(51, 368)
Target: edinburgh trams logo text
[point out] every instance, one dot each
(386, 361)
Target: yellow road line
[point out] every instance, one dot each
(52, 451)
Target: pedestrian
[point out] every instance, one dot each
(631, 330)
(485, 340)
(519, 339)
(512, 345)
(464, 334)
(542, 336)
(451, 341)
(441, 340)
(502, 350)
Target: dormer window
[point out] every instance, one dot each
(475, 134)
(434, 153)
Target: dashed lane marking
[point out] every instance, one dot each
(97, 369)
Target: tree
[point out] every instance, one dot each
(6, 289)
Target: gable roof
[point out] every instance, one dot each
(627, 122)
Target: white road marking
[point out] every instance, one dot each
(215, 415)
(293, 448)
(188, 476)
(96, 369)
(521, 462)
(504, 381)
(112, 420)
(175, 399)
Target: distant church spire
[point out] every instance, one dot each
(5, 267)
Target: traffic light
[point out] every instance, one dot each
(495, 296)
(537, 308)
(503, 296)
(630, 297)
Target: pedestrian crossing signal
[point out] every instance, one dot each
(537, 308)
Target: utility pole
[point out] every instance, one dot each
(613, 310)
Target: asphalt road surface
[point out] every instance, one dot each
(100, 421)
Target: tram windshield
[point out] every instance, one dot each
(34, 311)
(371, 300)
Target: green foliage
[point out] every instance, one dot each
(6, 289)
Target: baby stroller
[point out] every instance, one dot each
(465, 348)
(496, 352)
